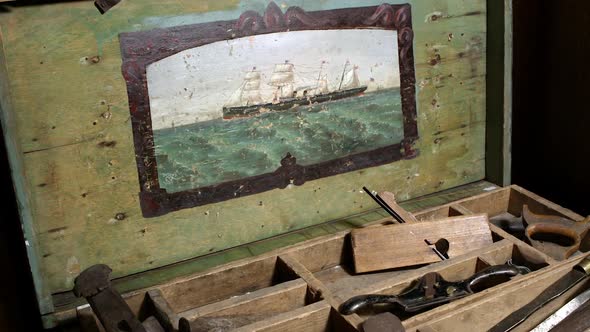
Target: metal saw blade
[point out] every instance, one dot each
(563, 312)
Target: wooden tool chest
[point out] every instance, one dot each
(213, 154)
(301, 287)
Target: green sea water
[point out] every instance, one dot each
(216, 151)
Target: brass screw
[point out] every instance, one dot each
(451, 290)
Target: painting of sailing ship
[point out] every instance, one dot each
(248, 101)
(270, 100)
(234, 109)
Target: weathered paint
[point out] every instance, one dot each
(159, 196)
(71, 119)
(194, 85)
(15, 157)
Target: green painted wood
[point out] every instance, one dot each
(63, 68)
(22, 191)
(450, 195)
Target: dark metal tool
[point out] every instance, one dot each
(108, 305)
(563, 312)
(509, 223)
(576, 322)
(104, 5)
(383, 322)
(431, 290)
(385, 206)
(565, 283)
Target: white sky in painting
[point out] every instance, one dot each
(193, 85)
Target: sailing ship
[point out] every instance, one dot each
(247, 101)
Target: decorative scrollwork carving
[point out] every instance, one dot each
(274, 18)
(383, 16)
(404, 39)
(250, 21)
(403, 18)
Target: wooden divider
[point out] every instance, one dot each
(300, 288)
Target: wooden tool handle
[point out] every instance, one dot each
(389, 198)
(554, 229)
(567, 239)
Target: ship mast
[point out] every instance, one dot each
(351, 79)
(320, 73)
(343, 73)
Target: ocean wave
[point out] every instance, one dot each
(215, 151)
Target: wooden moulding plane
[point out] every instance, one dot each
(393, 246)
(407, 244)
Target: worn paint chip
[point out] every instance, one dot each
(433, 17)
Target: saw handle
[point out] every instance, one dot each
(563, 235)
(556, 236)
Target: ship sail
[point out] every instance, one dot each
(320, 88)
(252, 75)
(323, 85)
(283, 77)
(351, 79)
(249, 92)
(251, 88)
(235, 99)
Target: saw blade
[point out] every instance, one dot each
(558, 288)
(563, 312)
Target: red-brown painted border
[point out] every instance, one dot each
(139, 49)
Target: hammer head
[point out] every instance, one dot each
(104, 5)
(383, 322)
(92, 280)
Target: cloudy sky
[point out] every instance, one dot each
(193, 85)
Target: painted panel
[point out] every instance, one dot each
(234, 108)
(71, 116)
(198, 141)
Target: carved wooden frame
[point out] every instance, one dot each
(139, 49)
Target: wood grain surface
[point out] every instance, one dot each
(389, 199)
(393, 246)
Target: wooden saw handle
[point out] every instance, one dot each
(556, 236)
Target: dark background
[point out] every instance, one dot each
(18, 304)
(550, 153)
(551, 98)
